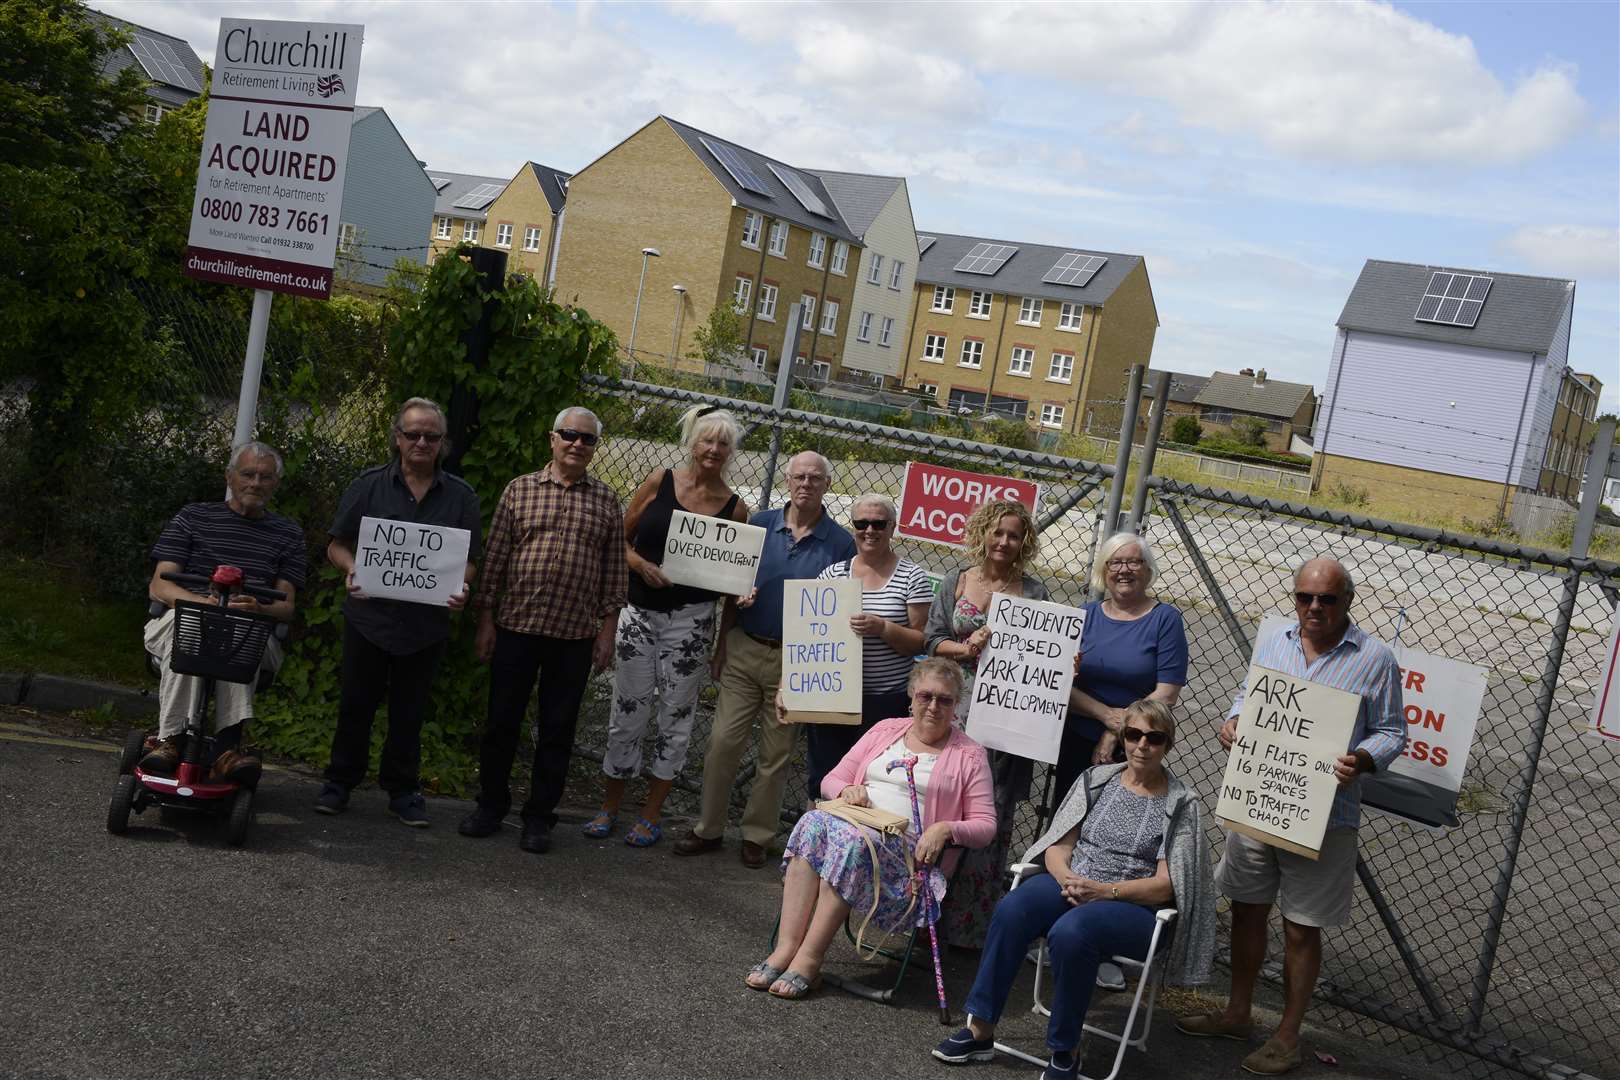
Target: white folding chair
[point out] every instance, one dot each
(1150, 975)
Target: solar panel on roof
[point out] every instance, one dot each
(924, 243)
(162, 63)
(985, 258)
(731, 159)
(801, 190)
(1074, 269)
(1453, 299)
(479, 197)
(440, 182)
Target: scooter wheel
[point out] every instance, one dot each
(134, 750)
(241, 817)
(118, 812)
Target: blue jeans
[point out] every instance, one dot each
(1077, 938)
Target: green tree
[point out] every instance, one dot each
(1249, 430)
(719, 341)
(1186, 430)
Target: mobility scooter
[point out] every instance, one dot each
(214, 642)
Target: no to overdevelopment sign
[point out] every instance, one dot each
(270, 182)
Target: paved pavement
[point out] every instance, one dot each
(354, 947)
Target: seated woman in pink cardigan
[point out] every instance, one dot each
(827, 868)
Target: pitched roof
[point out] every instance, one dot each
(460, 184)
(1020, 275)
(1521, 314)
(553, 184)
(779, 202)
(168, 61)
(859, 198)
(1184, 388)
(1240, 394)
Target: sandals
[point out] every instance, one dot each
(798, 987)
(767, 973)
(600, 826)
(643, 833)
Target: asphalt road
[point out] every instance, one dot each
(354, 947)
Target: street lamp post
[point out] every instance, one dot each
(680, 313)
(646, 253)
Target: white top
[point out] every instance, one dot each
(882, 669)
(887, 790)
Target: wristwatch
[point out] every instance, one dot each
(1114, 892)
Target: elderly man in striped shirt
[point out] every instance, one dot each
(1325, 647)
(554, 580)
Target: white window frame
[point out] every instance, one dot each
(829, 317)
(973, 347)
(1051, 415)
(886, 331)
(347, 234)
(863, 329)
(840, 258)
(944, 299)
(503, 235)
(975, 301)
(896, 272)
(442, 230)
(1021, 361)
(1071, 317)
(929, 388)
(751, 225)
(777, 244)
(1067, 368)
(759, 357)
(1030, 310)
(818, 250)
(155, 112)
(767, 302)
(470, 231)
(742, 294)
(531, 238)
(934, 348)
(874, 269)
(821, 370)
(808, 311)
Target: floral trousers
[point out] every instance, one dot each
(662, 660)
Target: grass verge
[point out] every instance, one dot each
(52, 624)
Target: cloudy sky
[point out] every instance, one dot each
(1255, 154)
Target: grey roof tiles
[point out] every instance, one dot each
(1022, 273)
(1241, 394)
(1521, 314)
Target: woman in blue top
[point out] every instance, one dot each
(1133, 647)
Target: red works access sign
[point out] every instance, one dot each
(936, 501)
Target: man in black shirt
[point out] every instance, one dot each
(391, 648)
(269, 549)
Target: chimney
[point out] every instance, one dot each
(1260, 377)
(1247, 371)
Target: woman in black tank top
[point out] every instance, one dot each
(666, 631)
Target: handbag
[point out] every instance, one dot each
(888, 824)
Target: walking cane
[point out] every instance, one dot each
(930, 913)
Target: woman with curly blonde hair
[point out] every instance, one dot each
(1000, 537)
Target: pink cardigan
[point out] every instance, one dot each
(959, 791)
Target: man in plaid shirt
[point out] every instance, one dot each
(554, 578)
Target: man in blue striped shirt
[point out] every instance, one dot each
(1325, 647)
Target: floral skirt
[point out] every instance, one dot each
(836, 850)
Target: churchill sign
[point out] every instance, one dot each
(267, 208)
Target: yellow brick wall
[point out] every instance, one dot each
(1393, 486)
(523, 206)
(1124, 336)
(793, 277)
(649, 191)
(437, 247)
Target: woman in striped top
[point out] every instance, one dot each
(895, 594)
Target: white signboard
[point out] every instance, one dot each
(1606, 703)
(1279, 782)
(401, 560)
(269, 198)
(1021, 687)
(821, 653)
(712, 553)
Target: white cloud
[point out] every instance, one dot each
(1573, 251)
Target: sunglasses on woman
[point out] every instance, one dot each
(1154, 738)
(867, 524)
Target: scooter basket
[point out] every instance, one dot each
(218, 642)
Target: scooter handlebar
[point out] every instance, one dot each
(203, 584)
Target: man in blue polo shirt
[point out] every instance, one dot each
(800, 542)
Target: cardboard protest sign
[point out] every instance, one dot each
(1606, 703)
(821, 654)
(935, 502)
(712, 553)
(1021, 688)
(1279, 782)
(401, 560)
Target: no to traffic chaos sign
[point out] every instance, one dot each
(401, 560)
(712, 553)
(821, 652)
(935, 502)
(270, 182)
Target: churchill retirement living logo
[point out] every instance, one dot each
(309, 65)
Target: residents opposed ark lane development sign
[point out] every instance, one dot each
(1020, 692)
(270, 182)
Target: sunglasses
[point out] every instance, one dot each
(432, 438)
(1154, 738)
(568, 434)
(863, 524)
(927, 700)
(1326, 599)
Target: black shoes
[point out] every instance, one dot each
(536, 837)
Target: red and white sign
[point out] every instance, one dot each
(1606, 703)
(936, 502)
(266, 213)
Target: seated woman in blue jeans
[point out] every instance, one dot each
(1128, 840)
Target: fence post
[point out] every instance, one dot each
(247, 398)
(1240, 639)
(1150, 449)
(1122, 461)
(1596, 470)
(779, 400)
(462, 421)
